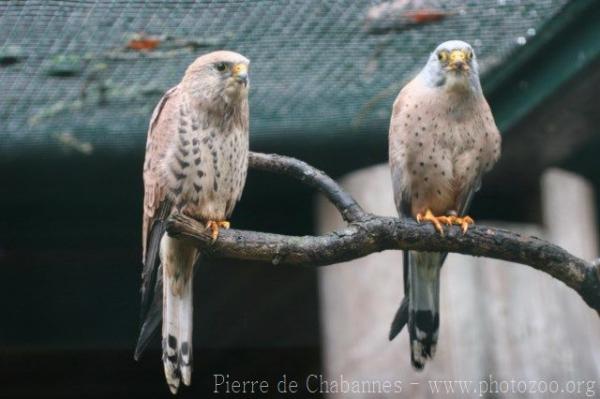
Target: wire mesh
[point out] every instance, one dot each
(87, 74)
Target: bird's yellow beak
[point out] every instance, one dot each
(458, 60)
(240, 73)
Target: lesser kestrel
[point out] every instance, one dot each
(442, 139)
(196, 163)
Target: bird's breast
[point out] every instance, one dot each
(443, 154)
(207, 170)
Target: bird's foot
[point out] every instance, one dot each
(435, 220)
(214, 227)
(463, 222)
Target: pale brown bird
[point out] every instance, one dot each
(196, 163)
(442, 139)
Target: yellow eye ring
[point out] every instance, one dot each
(443, 56)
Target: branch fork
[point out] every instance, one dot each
(366, 233)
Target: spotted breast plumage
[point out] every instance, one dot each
(442, 140)
(196, 163)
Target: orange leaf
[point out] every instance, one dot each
(426, 15)
(143, 44)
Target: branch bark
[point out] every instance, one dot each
(366, 233)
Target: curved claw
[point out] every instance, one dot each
(464, 222)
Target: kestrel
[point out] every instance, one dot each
(442, 139)
(196, 163)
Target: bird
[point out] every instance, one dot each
(442, 139)
(195, 164)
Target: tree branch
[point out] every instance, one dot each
(300, 170)
(367, 233)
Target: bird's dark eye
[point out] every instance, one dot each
(443, 56)
(221, 66)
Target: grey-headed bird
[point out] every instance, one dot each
(196, 163)
(442, 139)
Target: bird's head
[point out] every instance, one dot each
(453, 65)
(218, 77)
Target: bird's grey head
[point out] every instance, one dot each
(453, 65)
(218, 77)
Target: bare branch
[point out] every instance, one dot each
(367, 234)
(346, 205)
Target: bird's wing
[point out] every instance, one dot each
(154, 190)
(403, 202)
(244, 170)
(397, 153)
(157, 208)
(494, 139)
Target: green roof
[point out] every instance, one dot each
(70, 81)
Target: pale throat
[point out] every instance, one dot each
(211, 102)
(458, 83)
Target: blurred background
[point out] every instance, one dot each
(78, 82)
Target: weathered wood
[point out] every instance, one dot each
(378, 234)
(370, 233)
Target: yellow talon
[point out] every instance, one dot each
(224, 224)
(214, 227)
(445, 220)
(435, 220)
(463, 222)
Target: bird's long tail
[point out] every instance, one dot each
(423, 305)
(178, 260)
